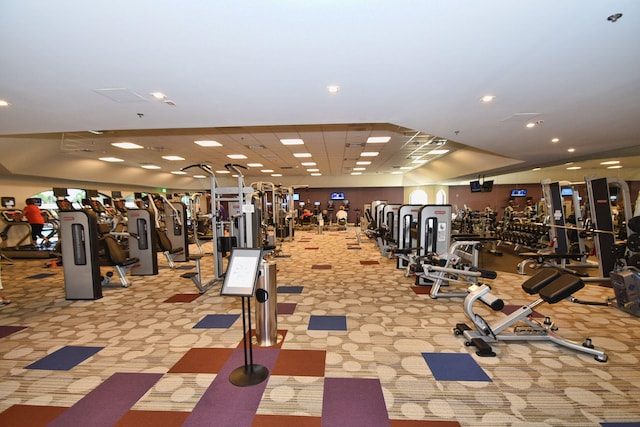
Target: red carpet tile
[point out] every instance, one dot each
(286, 307)
(30, 415)
(421, 290)
(136, 418)
(303, 363)
(285, 420)
(369, 262)
(321, 267)
(202, 361)
(423, 423)
(182, 298)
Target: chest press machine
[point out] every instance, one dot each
(551, 286)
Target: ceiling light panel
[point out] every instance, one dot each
(301, 155)
(208, 143)
(255, 165)
(127, 145)
(236, 156)
(378, 139)
(369, 153)
(150, 167)
(111, 159)
(292, 141)
(173, 158)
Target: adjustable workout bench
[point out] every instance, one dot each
(551, 287)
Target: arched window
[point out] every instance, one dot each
(441, 197)
(418, 197)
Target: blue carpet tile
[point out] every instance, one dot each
(327, 323)
(454, 367)
(65, 358)
(220, 321)
(290, 289)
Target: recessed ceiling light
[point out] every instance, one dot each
(396, 173)
(614, 17)
(276, 174)
(378, 139)
(266, 170)
(316, 174)
(313, 170)
(178, 172)
(199, 176)
(308, 163)
(554, 140)
(292, 141)
(405, 167)
(363, 162)
(208, 143)
(610, 162)
(614, 167)
(488, 98)
(4, 103)
(173, 158)
(419, 161)
(127, 145)
(255, 165)
(236, 156)
(574, 168)
(436, 152)
(159, 96)
(369, 153)
(536, 169)
(530, 125)
(359, 169)
(150, 167)
(356, 173)
(571, 150)
(222, 171)
(111, 159)
(301, 154)
(333, 89)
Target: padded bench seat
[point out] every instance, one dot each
(561, 288)
(538, 281)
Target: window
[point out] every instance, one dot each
(418, 197)
(441, 197)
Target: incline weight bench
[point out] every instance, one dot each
(551, 286)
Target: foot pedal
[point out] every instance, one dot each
(460, 328)
(484, 349)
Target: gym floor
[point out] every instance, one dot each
(358, 346)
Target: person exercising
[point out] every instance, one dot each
(35, 219)
(341, 216)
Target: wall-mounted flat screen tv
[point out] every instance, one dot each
(475, 186)
(518, 193)
(337, 196)
(487, 186)
(567, 191)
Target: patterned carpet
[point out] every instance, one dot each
(358, 346)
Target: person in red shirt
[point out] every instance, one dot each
(33, 215)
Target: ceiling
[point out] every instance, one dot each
(79, 76)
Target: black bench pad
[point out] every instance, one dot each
(542, 278)
(561, 288)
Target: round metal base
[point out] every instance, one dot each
(248, 375)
